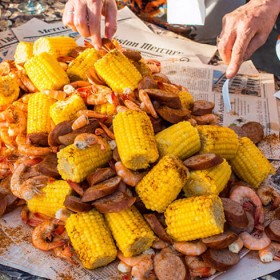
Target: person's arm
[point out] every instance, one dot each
(245, 30)
(84, 16)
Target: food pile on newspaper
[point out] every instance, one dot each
(120, 164)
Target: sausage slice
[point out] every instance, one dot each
(169, 266)
(204, 161)
(254, 131)
(100, 190)
(220, 260)
(100, 175)
(115, 202)
(234, 213)
(48, 166)
(60, 129)
(202, 107)
(173, 115)
(220, 241)
(273, 230)
(75, 204)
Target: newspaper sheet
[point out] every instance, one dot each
(8, 40)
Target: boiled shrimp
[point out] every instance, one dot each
(79, 84)
(159, 244)
(147, 103)
(16, 179)
(143, 269)
(198, 268)
(27, 82)
(236, 246)
(32, 219)
(190, 248)
(42, 236)
(91, 114)
(270, 253)
(65, 252)
(121, 109)
(108, 132)
(255, 241)
(154, 65)
(132, 105)
(129, 177)
(132, 261)
(81, 121)
(269, 195)
(94, 78)
(55, 94)
(99, 95)
(243, 195)
(85, 140)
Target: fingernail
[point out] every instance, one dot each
(230, 73)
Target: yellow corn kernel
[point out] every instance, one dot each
(77, 69)
(163, 183)
(107, 108)
(56, 46)
(181, 140)
(38, 113)
(24, 51)
(135, 139)
(186, 99)
(118, 72)
(66, 110)
(195, 217)
(218, 140)
(250, 164)
(91, 239)
(45, 72)
(208, 181)
(75, 164)
(9, 90)
(50, 199)
(130, 231)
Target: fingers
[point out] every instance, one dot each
(110, 13)
(81, 18)
(68, 16)
(94, 19)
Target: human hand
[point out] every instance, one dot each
(245, 30)
(84, 16)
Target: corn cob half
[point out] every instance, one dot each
(38, 113)
(65, 110)
(186, 99)
(218, 140)
(56, 46)
(163, 183)
(51, 199)
(78, 68)
(208, 181)
(195, 217)
(118, 72)
(24, 51)
(106, 108)
(181, 140)
(75, 164)
(91, 239)
(9, 90)
(45, 72)
(135, 139)
(250, 164)
(130, 231)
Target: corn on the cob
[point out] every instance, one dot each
(75, 164)
(51, 199)
(218, 140)
(135, 139)
(91, 239)
(118, 72)
(24, 51)
(181, 140)
(78, 68)
(163, 183)
(107, 108)
(250, 164)
(130, 231)
(65, 110)
(45, 72)
(208, 181)
(38, 113)
(195, 217)
(186, 99)
(56, 46)
(9, 90)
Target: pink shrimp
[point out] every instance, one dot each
(81, 121)
(85, 140)
(99, 95)
(108, 132)
(143, 269)
(154, 65)
(42, 236)
(269, 195)
(198, 268)
(190, 248)
(91, 114)
(243, 195)
(270, 253)
(236, 246)
(56, 94)
(159, 244)
(121, 108)
(129, 177)
(131, 105)
(255, 241)
(79, 84)
(147, 103)
(66, 253)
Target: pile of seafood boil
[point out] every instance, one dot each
(108, 159)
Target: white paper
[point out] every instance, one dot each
(8, 40)
(191, 12)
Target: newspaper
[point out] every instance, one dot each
(8, 40)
